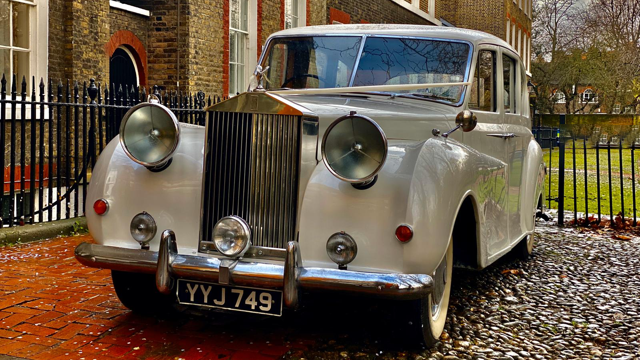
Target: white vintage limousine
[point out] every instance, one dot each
(367, 159)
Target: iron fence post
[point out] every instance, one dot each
(561, 154)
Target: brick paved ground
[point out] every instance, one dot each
(52, 308)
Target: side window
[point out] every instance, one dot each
(509, 79)
(483, 87)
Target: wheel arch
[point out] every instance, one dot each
(465, 234)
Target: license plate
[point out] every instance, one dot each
(252, 300)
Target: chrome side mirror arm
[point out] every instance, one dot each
(466, 120)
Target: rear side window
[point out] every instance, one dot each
(484, 83)
(510, 92)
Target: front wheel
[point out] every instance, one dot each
(428, 315)
(138, 293)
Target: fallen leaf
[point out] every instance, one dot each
(622, 237)
(512, 271)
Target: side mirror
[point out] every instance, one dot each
(466, 120)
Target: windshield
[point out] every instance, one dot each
(329, 62)
(311, 62)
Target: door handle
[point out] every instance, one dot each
(503, 136)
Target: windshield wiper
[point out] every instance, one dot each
(428, 96)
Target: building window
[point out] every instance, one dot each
(629, 110)
(588, 96)
(295, 13)
(560, 97)
(291, 14)
(238, 39)
(616, 109)
(23, 39)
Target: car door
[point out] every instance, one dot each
(486, 138)
(517, 136)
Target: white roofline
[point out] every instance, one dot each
(129, 8)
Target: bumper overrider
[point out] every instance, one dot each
(289, 277)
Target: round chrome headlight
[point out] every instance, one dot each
(232, 236)
(354, 148)
(341, 248)
(143, 228)
(149, 134)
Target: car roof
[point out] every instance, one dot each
(440, 32)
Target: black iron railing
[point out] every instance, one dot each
(594, 176)
(51, 140)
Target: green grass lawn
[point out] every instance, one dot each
(588, 195)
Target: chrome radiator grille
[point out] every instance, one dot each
(251, 170)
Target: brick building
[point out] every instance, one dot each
(509, 20)
(209, 45)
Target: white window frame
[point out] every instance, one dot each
(250, 49)
(508, 37)
(301, 15)
(560, 97)
(593, 99)
(38, 41)
(520, 42)
(617, 108)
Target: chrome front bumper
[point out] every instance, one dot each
(290, 277)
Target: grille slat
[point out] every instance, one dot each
(251, 171)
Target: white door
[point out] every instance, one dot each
(484, 101)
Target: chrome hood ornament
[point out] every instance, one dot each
(257, 81)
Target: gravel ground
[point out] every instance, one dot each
(578, 297)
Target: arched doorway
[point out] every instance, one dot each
(123, 70)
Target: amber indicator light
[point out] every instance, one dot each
(404, 233)
(101, 206)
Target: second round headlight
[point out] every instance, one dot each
(232, 236)
(354, 148)
(149, 134)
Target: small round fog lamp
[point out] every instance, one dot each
(143, 228)
(341, 248)
(232, 236)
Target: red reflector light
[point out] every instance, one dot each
(101, 206)
(404, 233)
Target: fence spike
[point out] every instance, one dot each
(24, 87)
(93, 90)
(4, 83)
(33, 87)
(13, 84)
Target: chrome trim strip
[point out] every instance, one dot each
(207, 268)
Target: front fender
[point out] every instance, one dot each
(171, 196)
(422, 184)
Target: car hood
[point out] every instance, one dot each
(400, 118)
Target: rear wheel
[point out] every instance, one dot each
(429, 314)
(138, 293)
